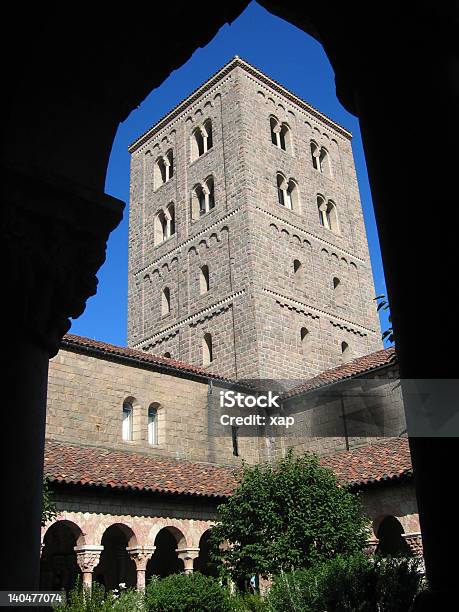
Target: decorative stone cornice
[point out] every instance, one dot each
(53, 236)
(215, 79)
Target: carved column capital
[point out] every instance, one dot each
(53, 241)
(88, 557)
(188, 555)
(141, 555)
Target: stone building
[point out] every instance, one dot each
(248, 261)
(247, 246)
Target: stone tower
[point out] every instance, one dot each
(247, 246)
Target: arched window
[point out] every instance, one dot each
(327, 214)
(315, 153)
(160, 227)
(207, 353)
(390, 538)
(280, 134)
(338, 290)
(324, 162)
(296, 267)
(167, 354)
(208, 137)
(274, 124)
(170, 218)
(166, 301)
(204, 279)
(153, 424)
(202, 199)
(201, 140)
(305, 340)
(169, 163)
(127, 421)
(285, 138)
(287, 193)
(321, 159)
(345, 351)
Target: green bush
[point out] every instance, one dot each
(96, 600)
(187, 593)
(248, 602)
(348, 584)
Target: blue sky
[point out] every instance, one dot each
(283, 52)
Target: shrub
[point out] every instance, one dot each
(354, 583)
(187, 593)
(290, 515)
(248, 602)
(97, 600)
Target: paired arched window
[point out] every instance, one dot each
(127, 423)
(202, 198)
(287, 192)
(204, 279)
(164, 224)
(153, 424)
(165, 301)
(321, 159)
(280, 134)
(327, 214)
(164, 169)
(201, 139)
(207, 350)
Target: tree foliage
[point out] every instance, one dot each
(49, 507)
(383, 304)
(286, 516)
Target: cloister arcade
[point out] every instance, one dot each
(127, 550)
(112, 550)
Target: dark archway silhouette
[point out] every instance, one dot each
(67, 93)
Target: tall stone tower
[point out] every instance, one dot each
(247, 246)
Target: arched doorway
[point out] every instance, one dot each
(58, 566)
(165, 560)
(204, 563)
(116, 566)
(391, 543)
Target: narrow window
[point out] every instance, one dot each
(204, 279)
(162, 170)
(324, 162)
(127, 421)
(332, 217)
(170, 220)
(160, 228)
(235, 440)
(208, 138)
(284, 138)
(166, 301)
(315, 153)
(167, 354)
(207, 354)
(345, 351)
(274, 124)
(211, 194)
(296, 267)
(152, 425)
(199, 141)
(170, 159)
(292, 196)
(281, 190)
(305, 340)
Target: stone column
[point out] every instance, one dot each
(53, 240)
(141, 555)
(371, 547)
(88, 558)
(188, 555)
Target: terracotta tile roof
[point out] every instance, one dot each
(372, 463)
(355, 367)
(112, 469)
(80, 343)
(100, 467)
